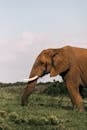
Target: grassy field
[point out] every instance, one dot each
(44, 112)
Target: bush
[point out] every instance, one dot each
(13, 116)
(56, 88)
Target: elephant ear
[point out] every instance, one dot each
(59, 63)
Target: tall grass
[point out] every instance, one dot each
(45, 111)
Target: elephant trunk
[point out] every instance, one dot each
(36, 72)
(30, 87)
(27, 92)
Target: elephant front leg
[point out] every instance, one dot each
(75, 96)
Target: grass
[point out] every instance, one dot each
(44, 112)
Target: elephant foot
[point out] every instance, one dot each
(77, 109)
(80, 107)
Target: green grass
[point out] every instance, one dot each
(44, 112)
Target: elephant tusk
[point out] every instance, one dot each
(31, 79)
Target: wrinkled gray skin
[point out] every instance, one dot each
(70, 63)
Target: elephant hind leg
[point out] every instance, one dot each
(75, 95)
(81, 91)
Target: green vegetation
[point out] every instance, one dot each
(50, 110)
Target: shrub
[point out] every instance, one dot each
(4, 127)
(56, 88)
(33, 120)
(13, 116)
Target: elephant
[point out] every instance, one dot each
(69, 62)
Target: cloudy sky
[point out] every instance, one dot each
(29, 26)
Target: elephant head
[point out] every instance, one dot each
(69, 62)
(53, 61)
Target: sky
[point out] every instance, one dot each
(29, 26)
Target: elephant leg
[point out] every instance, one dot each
(75, 95)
